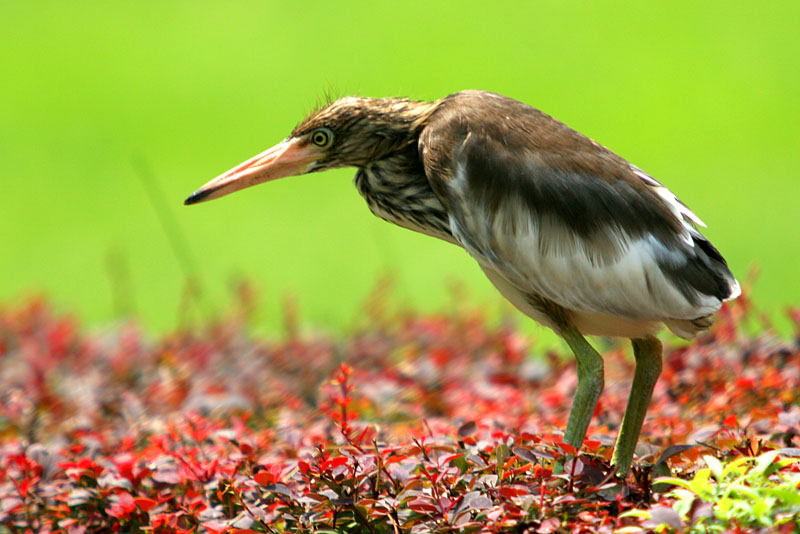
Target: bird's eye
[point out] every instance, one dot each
(322, 137)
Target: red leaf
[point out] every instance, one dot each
(215, 527)
(452, 457)
(115, 511)
(123, 507)
(422, 507)
(394, 459)
(508, 492)
(23, 487)
(541, 472)
(516, 471)
(591, 444)
(333, 463)
(566, 447)
(125, 463)
(549, 525)
(730, 421)
(303, 466)
(362, 435)
(145, 504)
(126, 502)
(743, 383)
(265, 478)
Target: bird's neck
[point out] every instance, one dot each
(397, 190)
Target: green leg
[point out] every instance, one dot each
(590, 385)
(648, 366)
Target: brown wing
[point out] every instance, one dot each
(559, 215)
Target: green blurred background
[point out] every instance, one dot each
(705, 96)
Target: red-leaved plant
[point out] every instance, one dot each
(414, 423)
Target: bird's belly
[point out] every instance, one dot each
(631, 288)
(516, 297)
(587, 323)
(601, 324)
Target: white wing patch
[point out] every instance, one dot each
(678, 208)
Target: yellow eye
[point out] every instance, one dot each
(322, 137)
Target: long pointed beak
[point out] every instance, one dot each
(288, 158)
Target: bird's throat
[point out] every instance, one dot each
(397, 190)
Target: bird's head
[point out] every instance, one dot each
(349, 132)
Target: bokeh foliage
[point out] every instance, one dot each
(703, 95)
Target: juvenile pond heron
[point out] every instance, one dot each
(569, 232)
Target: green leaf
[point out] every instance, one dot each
(760, 507)
(763, 462)
(699, 484)
(636, 513)
(673, 481)
(461, 464)
(714, 465)
(734, 465)
(787, 495)
(739, 488)
(501, 455)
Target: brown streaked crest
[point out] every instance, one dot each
(365, 129)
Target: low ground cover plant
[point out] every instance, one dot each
(411, 423)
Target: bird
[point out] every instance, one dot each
(572, 234)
